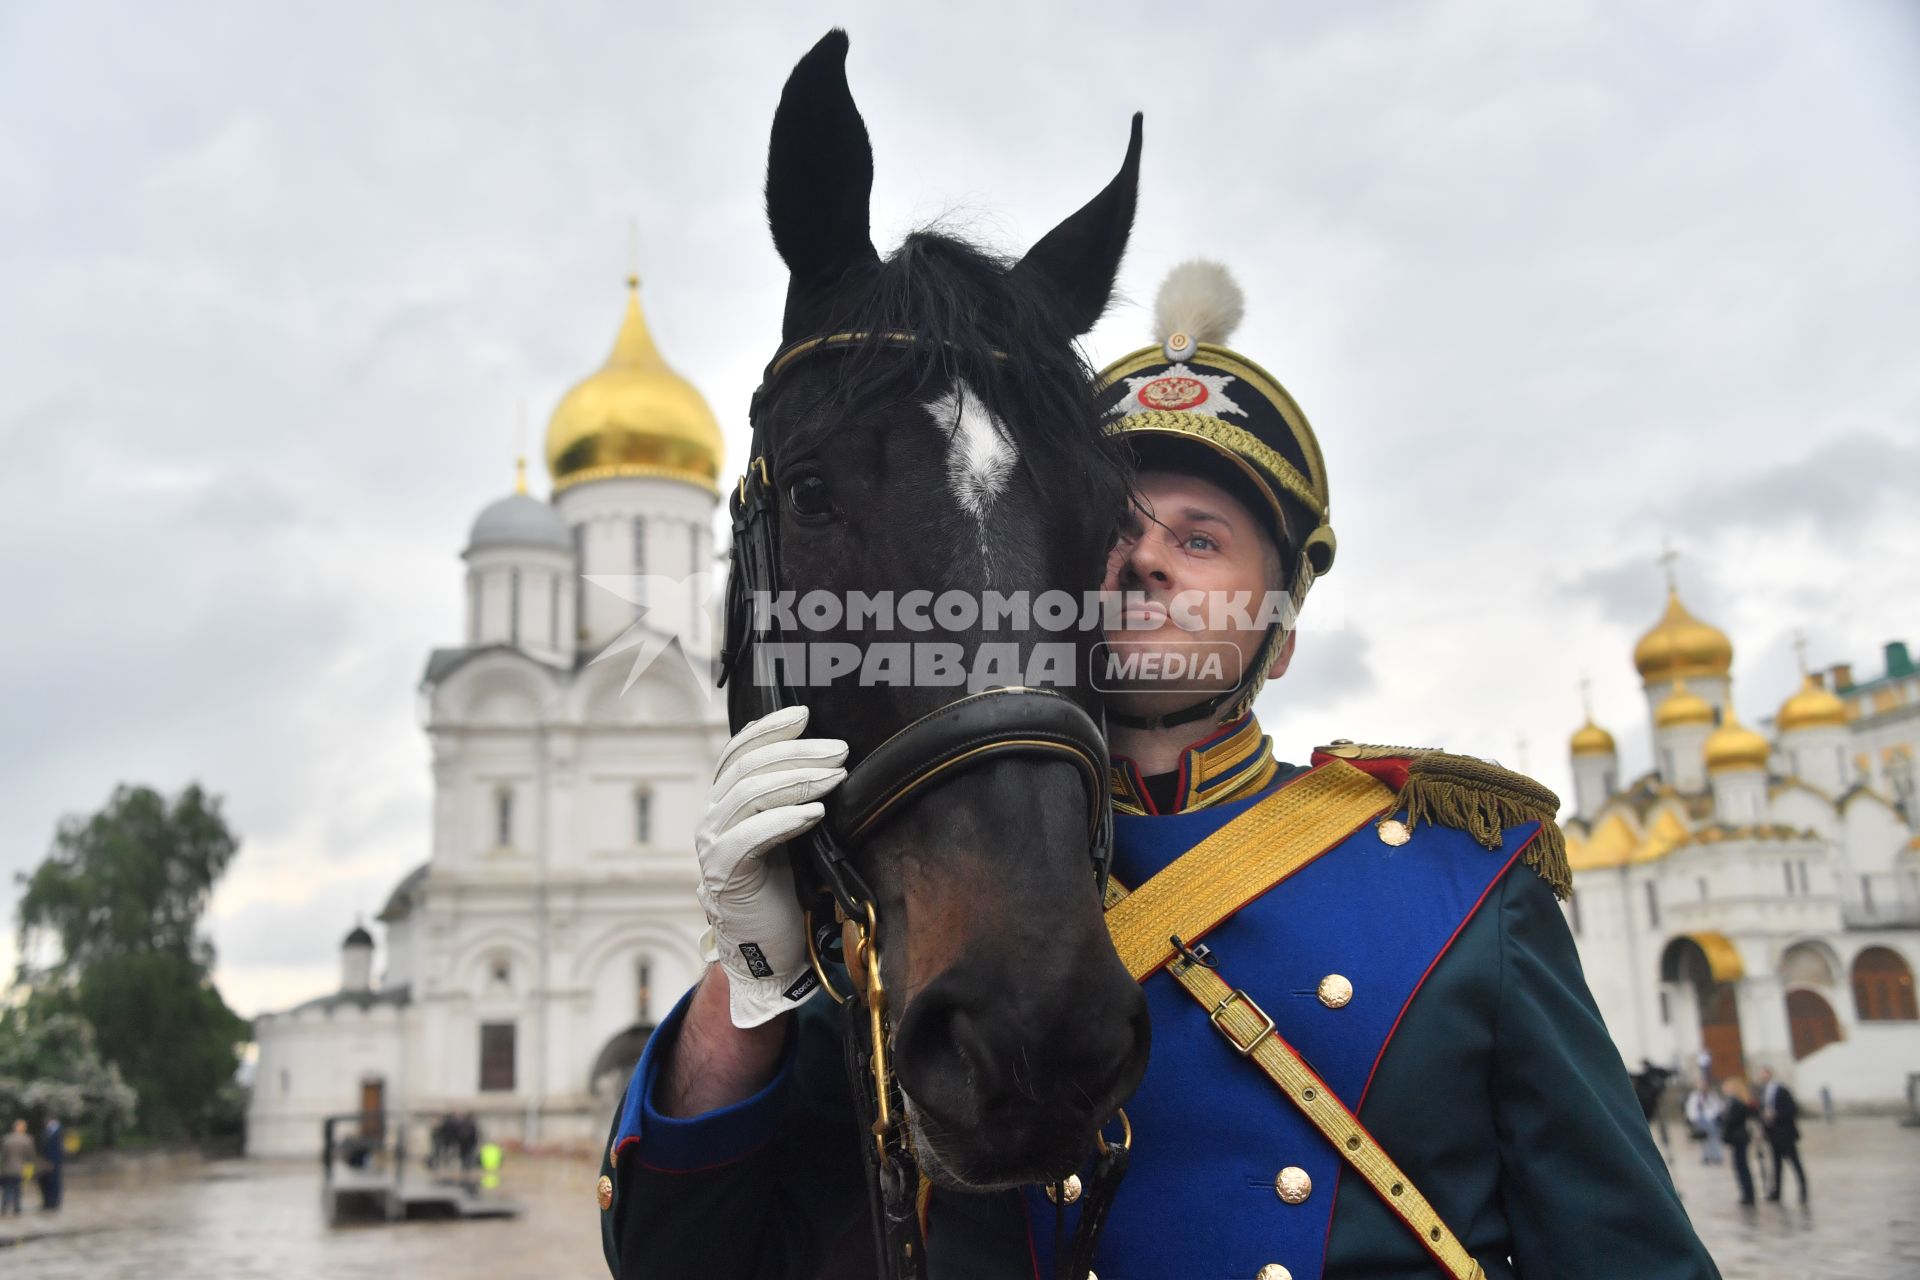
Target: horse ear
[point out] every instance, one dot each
(1080, 258)
(819, 173)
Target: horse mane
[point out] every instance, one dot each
(975, 316)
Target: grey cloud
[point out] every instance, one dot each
(273, 281)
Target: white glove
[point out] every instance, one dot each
(766, 791)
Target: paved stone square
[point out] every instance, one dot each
(1861, 1221)
(262, 1221)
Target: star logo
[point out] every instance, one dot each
(1178, 389)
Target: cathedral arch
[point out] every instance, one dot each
(1883, 986)
(1708, 967)
(658, 941)
(1810, 963)
(663, 694)
(473, 968)
(498, 689)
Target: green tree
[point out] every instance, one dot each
(50, 1064)
(113, 914)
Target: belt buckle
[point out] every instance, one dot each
(1219, 1011)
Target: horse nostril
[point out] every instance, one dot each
(945, 1060)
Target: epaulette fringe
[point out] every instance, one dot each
(1482, 800)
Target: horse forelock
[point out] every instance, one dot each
(1000, 333)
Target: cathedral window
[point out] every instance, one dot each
(643, 1014)
(501, 975)
(639, 564)
(503, 818)
(1703, 888)
(643, 816)
(580, 581)
(496, 1057)
(1804, 890)
(513, 607)
(1653, 905)
(1788, 868)
(1810, 1022)
(1866, 892)
(1883, 987)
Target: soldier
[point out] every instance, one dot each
(1374, 1053)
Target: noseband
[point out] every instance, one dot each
(964, 734)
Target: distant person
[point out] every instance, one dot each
(16, 1157)
(1780, 1117)
(1826, 1103)
(469, 1140)
(1703, 1108)
(53, 1154)
(1736, 1130)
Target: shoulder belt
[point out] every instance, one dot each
(1468, 794)
(1235, 865)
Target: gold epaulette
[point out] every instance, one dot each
(1471, 795)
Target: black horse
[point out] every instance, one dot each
(947, 440)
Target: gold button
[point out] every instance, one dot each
(1065, 1192)
(604, 1193)
(1273, 1271)
(1341, 748)
(1394, 832)
(1334, 991)
(1293, 1184)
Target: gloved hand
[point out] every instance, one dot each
(766, 791)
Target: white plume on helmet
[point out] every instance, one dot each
(1200, 299)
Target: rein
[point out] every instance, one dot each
(960, 735)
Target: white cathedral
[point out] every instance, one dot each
(1756, 898)
(554, 921)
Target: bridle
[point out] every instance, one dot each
(965, 733)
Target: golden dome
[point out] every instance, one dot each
(1813, 707)
(1683, 706)
(1734, 746)
(634, 417)
(1591, 740)
(1681, 645)
(1609, 846)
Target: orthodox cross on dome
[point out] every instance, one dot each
(1800, 649)
(1586, 695)
(1667, 558)
(520, 449)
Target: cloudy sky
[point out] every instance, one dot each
(1555, 282)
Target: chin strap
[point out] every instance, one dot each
(1222, 706)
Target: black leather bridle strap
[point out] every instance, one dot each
(964, 734)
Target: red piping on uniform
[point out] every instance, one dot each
(1340, 1177)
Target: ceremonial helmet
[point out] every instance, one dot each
(1192, 404)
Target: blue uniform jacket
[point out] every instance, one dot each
(1470, 1048)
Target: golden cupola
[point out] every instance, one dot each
(1814, 706)
(634, 416)
(1734, 746)
(1682, 707)
(1591, 740)
(1680, 646)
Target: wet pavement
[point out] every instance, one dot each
(247, 1220)
(1861, 1221)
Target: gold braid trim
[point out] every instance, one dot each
(1480, 799)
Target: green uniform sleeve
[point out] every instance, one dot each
(1585, 1189)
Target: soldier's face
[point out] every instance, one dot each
(1184, 558)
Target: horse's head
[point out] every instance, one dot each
(955, 450)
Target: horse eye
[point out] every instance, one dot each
(809, 497)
